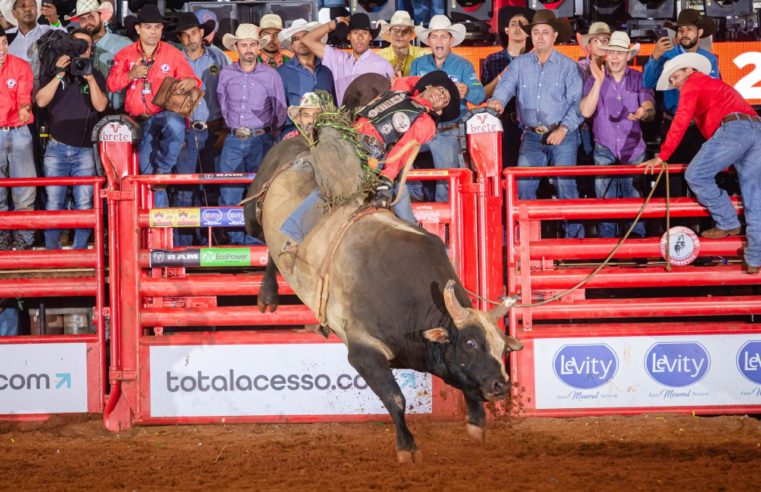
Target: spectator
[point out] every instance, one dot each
(271, 53)
(207, 62)
(252, 99)
(304, 116)
(617, 102)
(23, 14)
(94, 18)
(348, 66)
(141, 67)
(304, 72)
(593, 43)
(733, 133)
(74, 104)
(399, 33)
(548, 87)
(515, 42)
(442, 36)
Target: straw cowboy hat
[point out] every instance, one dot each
(271, 21)
(310, 100)
(6, 8)
(596, 29)
(692, 17)
(619, 41)
(105, 9)
(685, 60)
(441, 23)
(561, 26)
(299, 25)
(244, 31)
(400, 18)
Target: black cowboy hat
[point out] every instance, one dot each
(507, 13)
(692, 17)
(188, 20)
(150, 14)
(561, 26)
(441, 79)
(356, 21)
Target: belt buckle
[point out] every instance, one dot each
(243, 133)
(6, 128)
(541, 129)
(199, 126)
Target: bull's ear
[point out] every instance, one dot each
(513, 343)
(437, 335)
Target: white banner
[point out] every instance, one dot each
(662, 371)
(43, 378)
(282, 379)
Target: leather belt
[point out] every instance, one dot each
(142, 118)
(246, 133)
(7, 128)
(199, 126)
(451, 126)
(544, 129)
(740, 117)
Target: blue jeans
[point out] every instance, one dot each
(735, 143)
(423, 10)
(615, 187)
(163, 138)
(447, 153)
(187, 196)
(241, 156)
(17, 161)
(65, 160)
(536, 154)
(9, 320)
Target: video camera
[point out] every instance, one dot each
(54, 44)
(74, 48)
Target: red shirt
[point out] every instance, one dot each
(707, 101)
(422, 130)
(168, 61)
(16, 81)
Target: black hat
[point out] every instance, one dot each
(357, 21)
(188, 20)
(507, 13)
(150, 14)
(692, 17)
(441, 79)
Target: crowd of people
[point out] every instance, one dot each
(555, 110)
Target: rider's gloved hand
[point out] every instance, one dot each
(384, 193)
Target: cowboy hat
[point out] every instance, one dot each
(105, 9)
(441, 23)
(596, 29)
(619, 41)
(310, 100)
(506, 14)
(685, 60)
(400, 18)
(441, 79)
(299, 25)
(357, 21)
(271, 21)
(244, 31)
(561, 26)
(150, 14)
(692, 17)
(188, 20)
(6, 8)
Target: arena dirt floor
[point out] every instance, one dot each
(647, 452)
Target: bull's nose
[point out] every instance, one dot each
(499, 387)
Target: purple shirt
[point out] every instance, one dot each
(252, 99)
(611, 128)
(346, 68)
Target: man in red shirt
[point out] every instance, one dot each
(733, 133)
(141, 67)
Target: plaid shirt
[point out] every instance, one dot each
(494, 65)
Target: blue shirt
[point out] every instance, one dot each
(207, 68)
(547, 94)
(298, 80)
(460, 71)
(654, 69)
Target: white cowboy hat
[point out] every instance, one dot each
(244, 31)
(400, 18)
(299, 25)
(596, 29)
(619, 41)
(271, 21)
(310, 100)
(6, 8)
(441, 23)
(685, 60)
(105, 9)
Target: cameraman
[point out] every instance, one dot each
(74, 94)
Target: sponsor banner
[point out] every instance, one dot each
(483, 123)
(222, 216)
(667, 371)
(277, 379)
(43, 378)
(210, 176)
(225, 257)
(174, 217)
(185, 258)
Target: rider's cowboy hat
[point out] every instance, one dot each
(692, 17)
(685, 60)
(299, 25)
(441, 23)
(441, 79)
(561, 26)
(244, 31)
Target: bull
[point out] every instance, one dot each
(386, 288)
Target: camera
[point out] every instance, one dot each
(81, 66)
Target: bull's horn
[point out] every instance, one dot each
(458, 313)
(502, 309)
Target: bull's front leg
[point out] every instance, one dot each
(373, 366)
(475, 421)
(268, 293)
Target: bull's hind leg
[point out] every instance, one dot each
(475, 421)
(268, 295)
(373, 366)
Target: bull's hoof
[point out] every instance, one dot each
(415, 456)
(262, 302)
(476, 432)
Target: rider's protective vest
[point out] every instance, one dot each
(392, 115)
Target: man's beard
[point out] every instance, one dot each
(95, 29)
(689, 43)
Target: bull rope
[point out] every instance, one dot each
(663, 171)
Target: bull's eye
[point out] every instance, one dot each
(471, 344)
